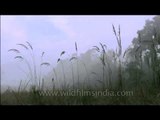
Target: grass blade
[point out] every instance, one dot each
(29, 45)
(63, 52)
(45, 63)
(14, 50)
(20, 57)
(23, 46)
(42, 54)
(58, 60)
(97, 48)
(72, 58)
(76, 46)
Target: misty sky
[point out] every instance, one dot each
(53, 34)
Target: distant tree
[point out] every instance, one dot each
(146, 48)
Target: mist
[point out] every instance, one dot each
(54, 34)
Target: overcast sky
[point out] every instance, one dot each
(53, 34)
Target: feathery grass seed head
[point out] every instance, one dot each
(14, 50)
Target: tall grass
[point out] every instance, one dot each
(119, 54)
(63, 71)
(76, 48)
(73, 58)
(23, 58)
(114, 70)
(32, 68)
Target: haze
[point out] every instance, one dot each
(54, 34)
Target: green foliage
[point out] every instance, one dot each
(148, 40)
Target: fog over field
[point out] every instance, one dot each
(55, 34)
